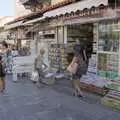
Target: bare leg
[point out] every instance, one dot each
(77, 87)
(74, 89)
(73, 86)
(3, 85)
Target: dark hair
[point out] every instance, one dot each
(5, 44)
(0, 58)
(77, 48)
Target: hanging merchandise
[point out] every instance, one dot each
(54, 55)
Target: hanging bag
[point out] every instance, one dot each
(72, 68)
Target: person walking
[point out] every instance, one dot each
(5, 52)
(2, 76)
(39, 63)
(78, 67)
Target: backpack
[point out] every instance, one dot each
(2, 70)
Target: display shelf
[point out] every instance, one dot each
(105, 52)
(108, 64)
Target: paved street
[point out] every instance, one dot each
(25, 101)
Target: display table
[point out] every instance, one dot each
(24, 64)
(92, 88)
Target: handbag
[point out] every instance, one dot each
(35, 76)
(72, 68)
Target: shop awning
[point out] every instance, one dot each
(13, 25)
(34, 20)
(87, 20)
(76, 6)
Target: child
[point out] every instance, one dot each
(2, 76)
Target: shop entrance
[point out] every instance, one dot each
(83, 33)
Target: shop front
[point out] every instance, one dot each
(108, 49)
(101, 41)
(99, 33)
(45, 37)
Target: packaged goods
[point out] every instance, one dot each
(95, 80)
(114, 86)
(111, 102)
(112, 99)
(108, 65)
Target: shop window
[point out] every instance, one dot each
(108, 38)
(108, 48)
(49, 36)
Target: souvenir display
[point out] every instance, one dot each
(108, 47)
(112, 99)
(92, 64)
(108, 39)
(108, 65)
(54, 55)
(93, 83)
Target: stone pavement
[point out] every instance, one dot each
(25, 101)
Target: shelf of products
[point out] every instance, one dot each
(54, 55)
(58, 56)
(108, 49)
(108, 38)
(92, 66)
(108, 65)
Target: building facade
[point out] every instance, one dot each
(19, 9)
(95, 23)
(3, 21)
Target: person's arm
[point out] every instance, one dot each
(35, 63)
(85, 56)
